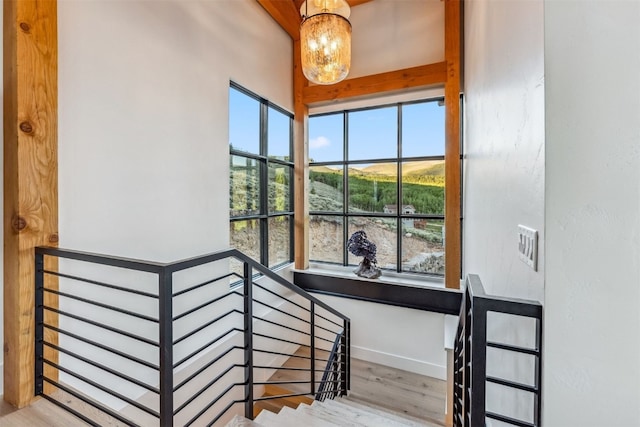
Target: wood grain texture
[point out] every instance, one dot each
(31, 178)
(452, 39)
(286, 14)
(301, 163)
(392, 81)
(352, 3)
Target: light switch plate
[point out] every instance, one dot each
(528, 246)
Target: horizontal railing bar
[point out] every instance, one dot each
(104, 285)
(103, 388)
(512, 384)
(329, 320)
(280, 382)
(103, 347)
(281, 297)
(113, 261)
(204, 304)
(213, 402)
(200, 285)
(72, 411)
(532, 351)
(281, 311)
(218, 338)
(285, 368)
(96, 405)
(282, 396)
(326, 339)
(206, 386)
(205, 325)
(208, 365)
(329, 330)
(294, 355)
(501, 304)
(509, 420)
(103, 326)
(103, 367)
(102, 305)
(256, 334)
(281, 325)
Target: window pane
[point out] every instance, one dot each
(279, 178)
(325, 238)
(325, 188)
(245, 236)
(279, 135)
(383, 233)
(279, 240)
(373, 134)
(423, 186)
(326, 137)
(244, 189)
(423, 245)
(372, 187)
(423, 129)
(244, 122)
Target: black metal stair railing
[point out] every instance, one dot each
(470, 358)
(192, 342)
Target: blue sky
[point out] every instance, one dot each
(373, 133)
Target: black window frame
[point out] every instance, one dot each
(345, 163)
(264, 161)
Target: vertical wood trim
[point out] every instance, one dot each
(301, 162)
(452, 43)
(30, 177)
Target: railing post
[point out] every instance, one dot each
(165, 296)
(39, 324)
(248, 341)
(344, 366)
(479, 360)
(347, 329)
(313, 348)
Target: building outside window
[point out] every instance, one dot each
(261, 177)
(380, 170)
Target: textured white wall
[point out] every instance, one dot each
(592, 284)
(389, 35)
(143, 119)
(504, 180)
(2, 228)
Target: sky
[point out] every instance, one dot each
(373, 133)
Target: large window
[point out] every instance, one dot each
(261, 177)
(380, 170)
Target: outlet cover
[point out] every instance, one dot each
(528, 246)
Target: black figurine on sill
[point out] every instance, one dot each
(359, 245)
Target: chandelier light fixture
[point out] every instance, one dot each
(325, 40)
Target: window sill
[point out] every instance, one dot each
(387, 277)
(398, 290)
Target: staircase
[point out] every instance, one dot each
(341, 412)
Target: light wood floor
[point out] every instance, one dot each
(400, 391)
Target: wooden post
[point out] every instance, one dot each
(30, 178)
(301, 161)
(452, 43)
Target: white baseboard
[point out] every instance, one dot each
(400, 362)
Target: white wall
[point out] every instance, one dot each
(402, 338)
(592, 283)
(503, 171)
(388, 35)
(143, 119)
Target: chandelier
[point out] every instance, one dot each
(325, 40)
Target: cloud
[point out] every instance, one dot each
(319, 142)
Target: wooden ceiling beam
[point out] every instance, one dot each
(408, 78)
(285, 13)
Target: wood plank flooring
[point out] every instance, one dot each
(396, 390)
